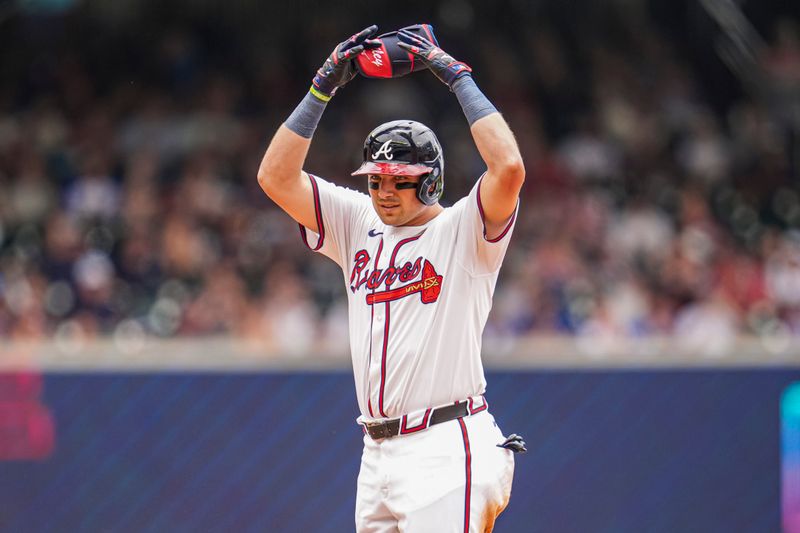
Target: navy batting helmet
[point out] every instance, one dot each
(406, 148)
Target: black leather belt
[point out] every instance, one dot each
(391, 428)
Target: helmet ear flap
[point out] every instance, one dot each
(430, 188)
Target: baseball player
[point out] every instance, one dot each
(419, 280)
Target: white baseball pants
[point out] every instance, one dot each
(451, 477)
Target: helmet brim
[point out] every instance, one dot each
(392, 169)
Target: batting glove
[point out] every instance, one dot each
(442, 64)
(514, 443)
(338, 69)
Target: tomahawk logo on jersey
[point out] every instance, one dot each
(428, 287)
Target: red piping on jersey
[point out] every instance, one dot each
(371, 317)
(318, 213)
(483, 218)
(386, 324)
(404, 430)
(468, 472)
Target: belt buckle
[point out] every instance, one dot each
(378, 430)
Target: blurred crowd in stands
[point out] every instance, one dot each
(129, 204)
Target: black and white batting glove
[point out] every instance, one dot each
(514, 443)
(338, 69)
(442, 64)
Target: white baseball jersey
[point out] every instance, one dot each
(419, 297)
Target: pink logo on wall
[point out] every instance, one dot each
(27, 431)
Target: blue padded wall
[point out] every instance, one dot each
(616, 451)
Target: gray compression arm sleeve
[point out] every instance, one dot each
(472, 100)
(305, 117)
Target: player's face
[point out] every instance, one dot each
(398, 206)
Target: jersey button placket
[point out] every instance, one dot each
(375, 364)
(377, 333)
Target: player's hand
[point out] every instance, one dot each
(338, 69)
(514, 443)
(442, 64)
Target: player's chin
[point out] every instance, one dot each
(389, 215)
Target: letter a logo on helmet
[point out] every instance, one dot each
(406, 148)
(385, 149)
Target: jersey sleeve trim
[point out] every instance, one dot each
(483, 219)
(318, 212)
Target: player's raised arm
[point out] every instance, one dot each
(505, 170)
(281, 173)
